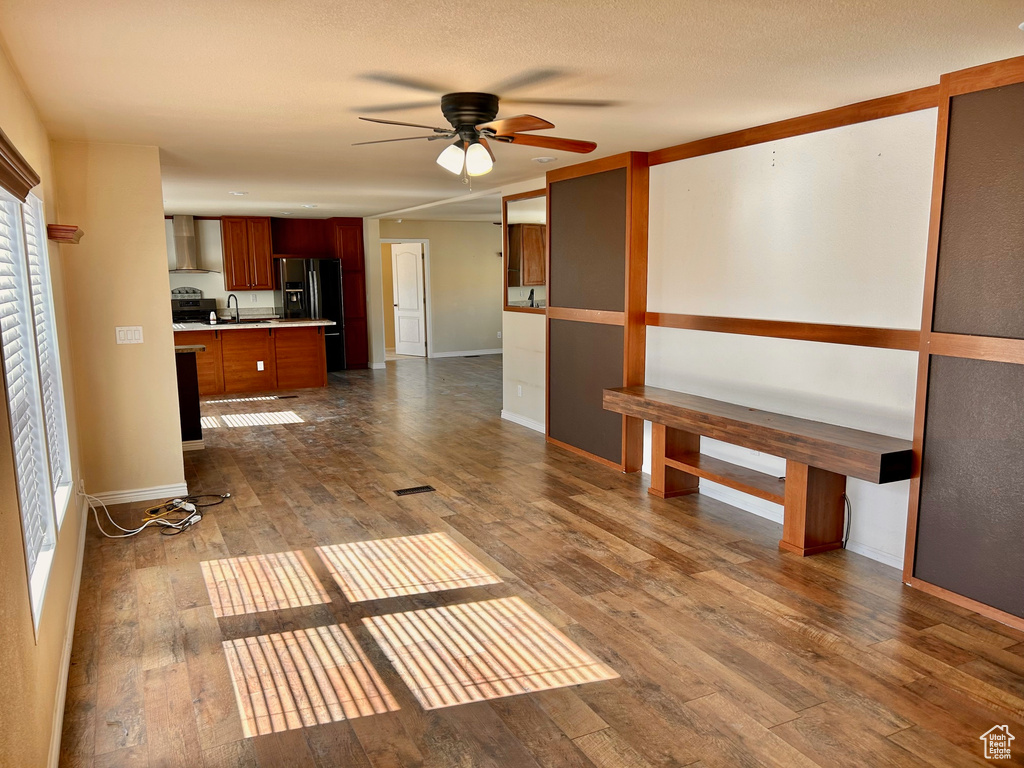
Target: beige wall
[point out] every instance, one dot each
(127, 394)
(387, 292)
(31, 670)
(465, 285)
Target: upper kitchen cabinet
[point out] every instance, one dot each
(248, 260)
(526, 254)
(348, 242)
(302, 238)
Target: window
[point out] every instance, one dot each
(35, 398)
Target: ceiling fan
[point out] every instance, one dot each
(473, 126)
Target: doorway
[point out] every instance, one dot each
(405, 292)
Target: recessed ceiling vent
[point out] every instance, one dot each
(186, 255)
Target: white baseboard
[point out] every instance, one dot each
(467, 353)
(744, 501)
(896, 561)
(69, 637)
(515, 418)
(193, 445)
(377, 366)
(143, 494)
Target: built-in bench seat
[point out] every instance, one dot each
(819, 457)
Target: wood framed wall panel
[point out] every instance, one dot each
(964, 498)
(970, 518)
(980, 269)
(853, 335)
(584, 359)
(587, 231)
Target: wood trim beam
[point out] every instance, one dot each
(602, 316)
(874, 109)
(590, 167)
(1005, 72)
(16, 175)
(996, 349)
(853, 335)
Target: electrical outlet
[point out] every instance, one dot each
(259, 365)
(129, 334)
(253, 298)
(519, 390)
(499, 334)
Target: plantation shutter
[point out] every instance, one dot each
(21, 378)
(50, 381)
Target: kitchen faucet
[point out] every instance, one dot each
(230, 297)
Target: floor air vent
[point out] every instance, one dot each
(415, 489)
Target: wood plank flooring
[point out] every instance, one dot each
(729, 653)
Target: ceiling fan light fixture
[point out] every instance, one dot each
(453, 158)
(478, 160)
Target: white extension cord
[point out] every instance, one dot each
(192, 518)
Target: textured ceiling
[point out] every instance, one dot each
(263, 96)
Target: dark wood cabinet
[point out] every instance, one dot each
(348, 244)
(302, 238)
(244, 353)
(209, 364)
(248, 261)
(301, 357)
(527, 246)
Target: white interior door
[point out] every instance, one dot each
(410, 309)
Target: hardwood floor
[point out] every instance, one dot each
(729, 653)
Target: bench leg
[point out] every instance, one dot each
(814, 510)
(667, 482)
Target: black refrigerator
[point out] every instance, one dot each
(311, 288)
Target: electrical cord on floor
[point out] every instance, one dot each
(159, 515)
(849, 519)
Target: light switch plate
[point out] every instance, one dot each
(129, 334)
(259, 365)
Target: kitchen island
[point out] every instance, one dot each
(257, 356)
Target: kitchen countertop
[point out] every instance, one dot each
(244, 325)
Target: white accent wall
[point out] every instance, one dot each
(830, 227)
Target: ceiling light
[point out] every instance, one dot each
(453, 158)
(1021, 27)
(308, 205)
(544, 159)
(478, 160)
(238, 194)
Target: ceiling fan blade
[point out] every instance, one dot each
(397, 107)
(564, 102)
(405, 82)
(487, 146)
(553, 142)
(431, 137)
(509, 125)
(526, 79)
(406, 125)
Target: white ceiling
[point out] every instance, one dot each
(262, 96)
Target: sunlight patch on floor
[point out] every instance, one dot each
(258, 583)
(303, 678)
(406, 565)
(470, 652)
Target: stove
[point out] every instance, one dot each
(192, 310)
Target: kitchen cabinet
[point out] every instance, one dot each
(527, 254)
(249, 360)
(248, 259)
(302, 238)
(348, 243)
(209, 364)
(300, 357)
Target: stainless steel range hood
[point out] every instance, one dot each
(186, 254)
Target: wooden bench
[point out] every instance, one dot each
(819, 457)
